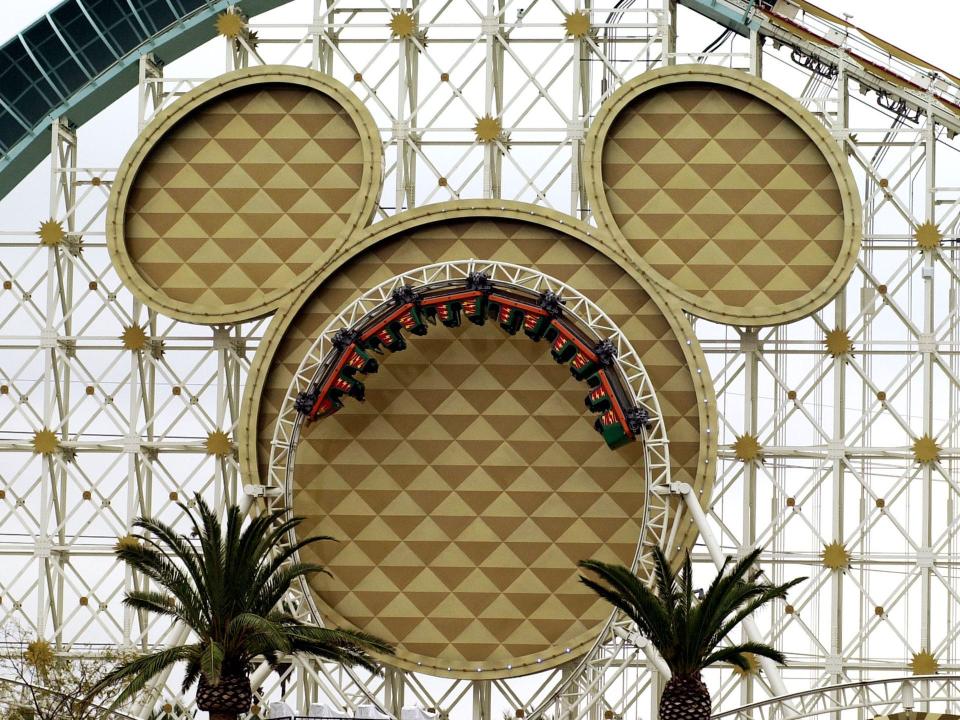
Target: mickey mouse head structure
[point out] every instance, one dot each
(409, 395)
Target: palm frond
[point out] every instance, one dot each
(686, 631)
(765, 594)
(228, 586)
(735, 654)
(211, 661)
(344, 646)
(272, 592)
(253, 628)
(623, 589)
(137, 673)
(191, 674)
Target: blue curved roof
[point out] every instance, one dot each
(80, 57)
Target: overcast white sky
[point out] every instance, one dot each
(927, 28)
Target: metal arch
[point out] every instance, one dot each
(286, 435)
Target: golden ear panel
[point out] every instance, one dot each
(240, 192)
(727, 193)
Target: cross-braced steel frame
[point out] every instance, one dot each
(837, 432)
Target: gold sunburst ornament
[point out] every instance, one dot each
(577, 24)
(127, 542)
(487, 129)
(835, 556)
(134, 338)
(747, 448)
(924, 663)
(926, 450)
(51, 233)
(838, 343)
(230, 24)
(45, 442)
(402, 25)
(218, 443)
(753, 666)
(928, 236)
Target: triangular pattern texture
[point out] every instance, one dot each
(244, 194)
(470, 482)
(718, 191)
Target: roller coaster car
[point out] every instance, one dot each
(540, 317)
(325, 399)
(448, 308)
(386, 333)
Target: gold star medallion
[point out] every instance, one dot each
(127, 542)
(487, 129)
(134, 338)
(45, 442)
(218, 443)
(747, 448)
(577, 24)
(928, 236)
(402, 25)
(835, 556)
(230, 25)
(926, 450)
(753, 666)
(924, 663)
(51, 233)
(838, 343)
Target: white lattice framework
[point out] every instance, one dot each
(836, 432)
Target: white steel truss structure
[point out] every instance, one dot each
(129, 422)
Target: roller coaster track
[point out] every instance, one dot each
(80, 57)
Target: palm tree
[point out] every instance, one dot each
(227, 591)
(685, 630)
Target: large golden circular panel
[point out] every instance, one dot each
(470, 481)
(729, 194)
(239, 191)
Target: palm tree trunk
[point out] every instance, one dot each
(685, 697)
(226, 700)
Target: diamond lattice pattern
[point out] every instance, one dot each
(244, 194)
(723, 195)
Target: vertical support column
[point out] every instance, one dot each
(317, 60)
(567, 708)
(926, 346)
(56, 378)
(749, 346)
(149, 89)
(481, 700)
(493, 95)
(838, 436)
(756, 53)
(223, 489)
(324, 33)
(393, 690)
(668, 24)
(412, 59)
(580, 108)
(406, 118)
(400, 127)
